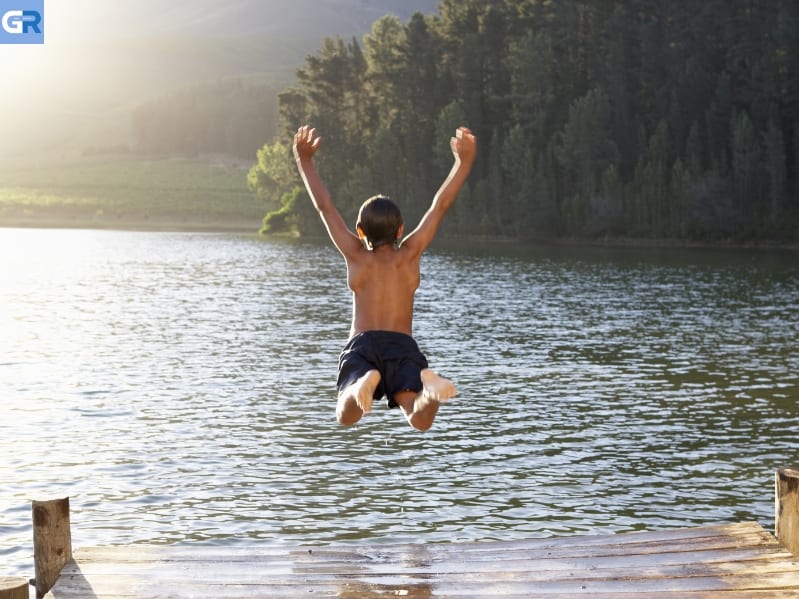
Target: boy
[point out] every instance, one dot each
(381, 357)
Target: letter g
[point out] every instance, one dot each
(12, 21)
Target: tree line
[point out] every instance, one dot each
(622, 118)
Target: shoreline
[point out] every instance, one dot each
(155, 225)
(242, 226)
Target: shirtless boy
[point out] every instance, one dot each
(381, 357)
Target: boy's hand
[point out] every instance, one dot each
(306, 142)
(464, 145)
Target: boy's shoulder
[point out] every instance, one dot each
(383, 257)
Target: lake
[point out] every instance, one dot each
(180, 388)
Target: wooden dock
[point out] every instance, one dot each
(727, 560)
(738, 560)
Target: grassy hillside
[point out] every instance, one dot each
(130, 193)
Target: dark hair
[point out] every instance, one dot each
(380, 219)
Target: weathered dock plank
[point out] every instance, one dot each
(735, 560)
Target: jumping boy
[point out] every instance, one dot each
(381, 356)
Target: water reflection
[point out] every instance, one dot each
(180, 388)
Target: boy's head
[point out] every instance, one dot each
(379, 222)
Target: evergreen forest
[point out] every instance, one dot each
(594, 118)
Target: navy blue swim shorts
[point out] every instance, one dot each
(396, 356)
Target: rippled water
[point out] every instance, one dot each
(180, 388)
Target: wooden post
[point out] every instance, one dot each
(52, 542)
(786, 520)
(12, 587)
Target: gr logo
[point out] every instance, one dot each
(21, 21)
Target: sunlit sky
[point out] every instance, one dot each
(55, 93)
(98, 59)
(38, 79)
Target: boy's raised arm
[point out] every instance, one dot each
(464, 150)
(306, 143)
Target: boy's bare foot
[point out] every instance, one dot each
(437, 387)
(364, 389)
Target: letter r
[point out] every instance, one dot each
(31, 20)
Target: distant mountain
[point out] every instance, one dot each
(103, 57)
(103, 19)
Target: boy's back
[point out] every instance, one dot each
(383, 283)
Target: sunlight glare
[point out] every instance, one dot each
(26, 270)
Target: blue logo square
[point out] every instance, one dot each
(21, 21)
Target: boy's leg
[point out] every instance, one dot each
(420, 409)
(356, 399)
